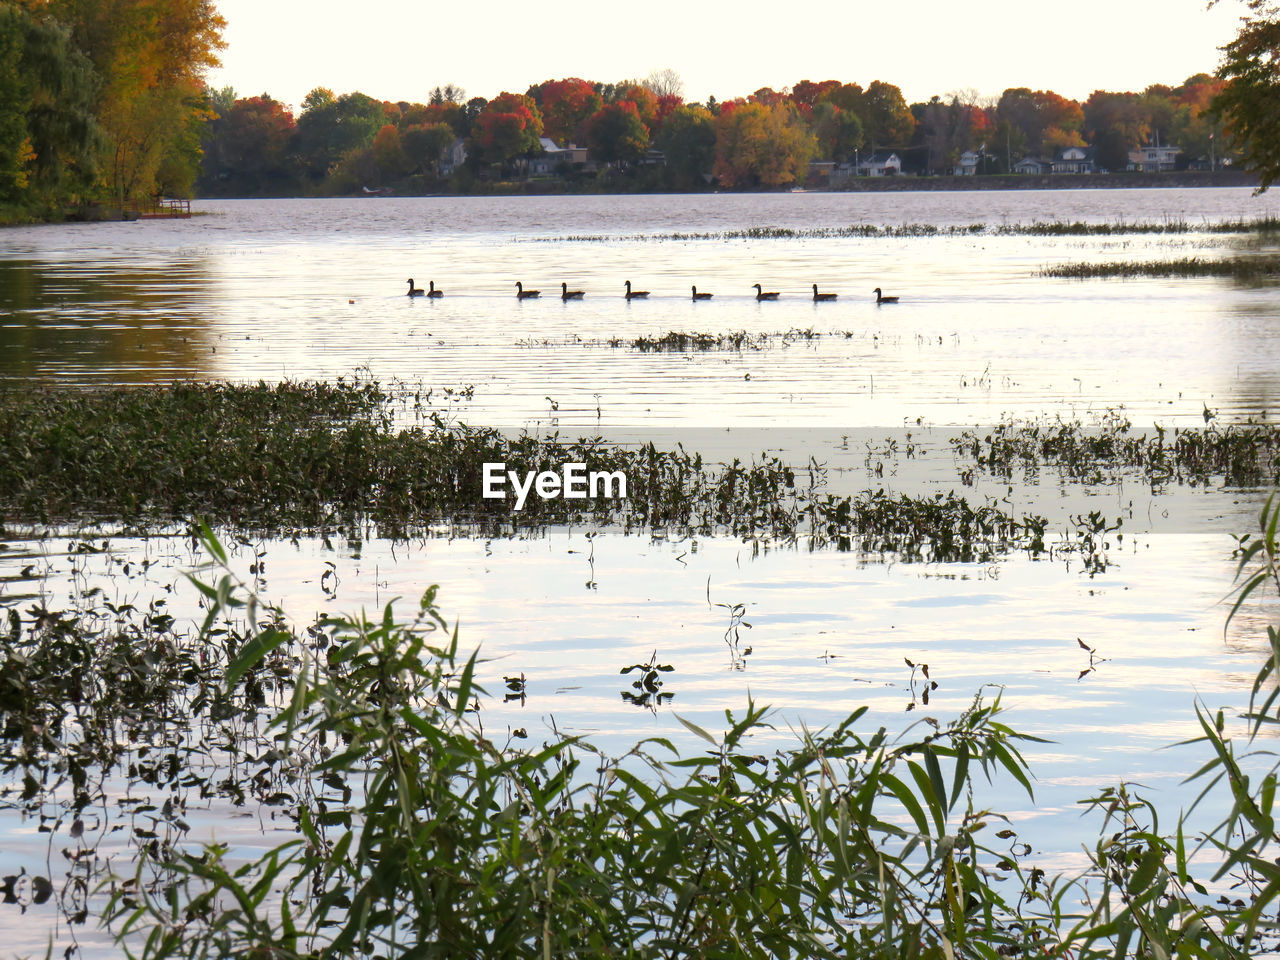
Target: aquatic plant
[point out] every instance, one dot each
(1260, 267)
(1237, 454)
(303, 458)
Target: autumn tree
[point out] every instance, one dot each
(616, 134)
(248, 146)
(48, 134)
(389, 154)
(425, 144)
(645, 100)
(758, 145)
(1249, 102)
(806, 93)
(150, 57)
(508, 127)
(885, 117)
(688, 141)
(838, 132)
(1194, 127)
(565, 106)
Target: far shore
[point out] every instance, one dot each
(1081, 181)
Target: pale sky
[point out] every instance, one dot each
(400, 49)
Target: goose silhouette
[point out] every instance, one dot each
(765, 295)
(881, 298)
(415, 291)
(567, 294)
(822, 297)
(523, 294)
(432, 291)
(635, 294)
(700, 296)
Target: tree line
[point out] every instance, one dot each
(106, 101)
(339, 144)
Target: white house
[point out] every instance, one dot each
(880, 165)
(967, 166)
(1074, 160)
(1153, 159)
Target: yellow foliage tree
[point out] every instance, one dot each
(760, 145)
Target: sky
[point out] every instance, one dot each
(401, 49)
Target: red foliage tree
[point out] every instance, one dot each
(565, 106)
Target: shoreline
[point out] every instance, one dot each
(1012, 181)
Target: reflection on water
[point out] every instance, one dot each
(103, 321)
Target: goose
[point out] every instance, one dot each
(819, 297)
(567, 294)
(880, 298)
(432, 291)
(635, 294)
(762, 295)
(415, 291)
(523, 294)
(700, 296)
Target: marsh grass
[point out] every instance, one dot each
(1247, 269)
(1049, 228)
(313, 458)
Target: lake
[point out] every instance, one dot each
(310, 289)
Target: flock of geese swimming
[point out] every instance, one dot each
(567, 294)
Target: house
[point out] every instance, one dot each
(1075, 160)
(967, 166)
(549, 162)
(1153, 159)
(881, 164)
(1033, 165)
